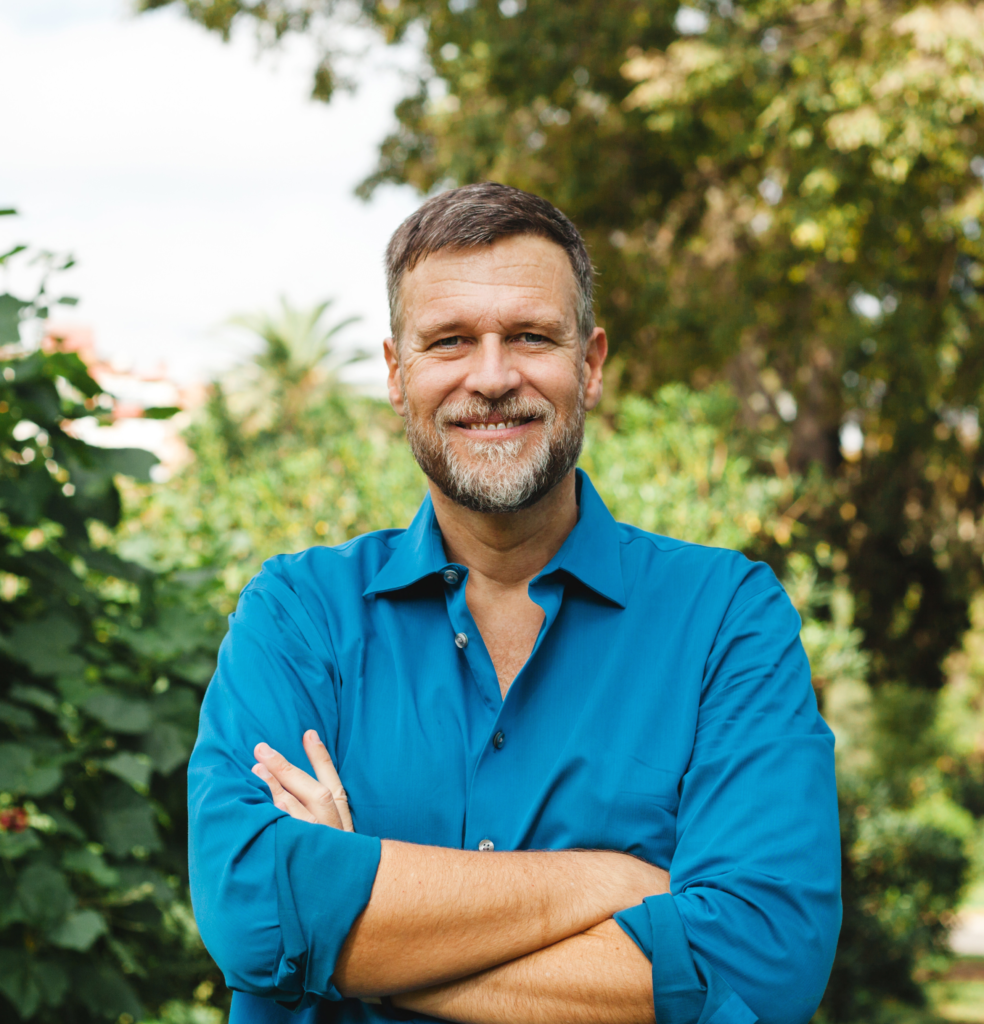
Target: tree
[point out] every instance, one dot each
(101, 670)
(296, 368)
(787, 198)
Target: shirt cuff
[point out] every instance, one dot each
(686, 989)
(324, 879)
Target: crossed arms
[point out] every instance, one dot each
(483, 938)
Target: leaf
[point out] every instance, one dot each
(42, 699)
(70, 366)
(79, 930)
(17, 982)
(161, 412)
(16, 844)
(21, 771)
(44, 894)
(64, 824)
(175, 631)
(28, 982)
(132, 462)
(126, 820)
(132, 768)
(117, 713)
(44, 645)
(15, 717)
(88, 862)
(166, 746)
(106, 993)
(10, 317)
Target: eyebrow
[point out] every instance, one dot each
(449, 328)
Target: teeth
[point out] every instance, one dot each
(493, 426)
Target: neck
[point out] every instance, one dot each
(509, 548)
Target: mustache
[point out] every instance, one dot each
(518, 407)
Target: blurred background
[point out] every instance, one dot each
(784, 203)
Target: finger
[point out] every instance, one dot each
(321, 761)
(275, 788)
(282, 799)
(315, 796)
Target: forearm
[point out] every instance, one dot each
(437, 914)
(597, 977)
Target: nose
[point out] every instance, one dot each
(492, 372)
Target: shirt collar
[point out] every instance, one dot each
(591, 552)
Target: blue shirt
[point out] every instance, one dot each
(666, 711)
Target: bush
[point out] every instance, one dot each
(102, 668)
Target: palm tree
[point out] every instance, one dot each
(296, 369)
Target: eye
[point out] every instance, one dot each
(529, 338)
(447, 343)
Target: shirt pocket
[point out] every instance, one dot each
(612, 803)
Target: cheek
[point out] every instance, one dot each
(426, 384)
(558, 384)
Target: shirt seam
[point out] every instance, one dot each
(256, 585)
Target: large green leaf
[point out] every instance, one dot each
(28, 982)
(133, 462)
(17, 718)
(44, 645)
(126, 820)
(44, 894)
(106, 993)
(79, 930)
(23, 771)
(90, 862)
(132, 768)
(11, 309)
(16, 844)
(168, 746)
(119, 713)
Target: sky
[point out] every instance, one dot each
(191, 179)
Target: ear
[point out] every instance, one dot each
(594, 359)
(394, 378)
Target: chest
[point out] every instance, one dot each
(587, 749)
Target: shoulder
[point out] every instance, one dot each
(319, 576)
(721, 576)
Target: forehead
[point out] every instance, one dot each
(517, 275)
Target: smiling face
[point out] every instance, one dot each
(490, 373)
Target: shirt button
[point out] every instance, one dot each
(461, 641)
(498, 740)
(485, 845)
(451, 576)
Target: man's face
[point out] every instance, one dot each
(490, 374)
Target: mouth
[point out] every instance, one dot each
(493, 426)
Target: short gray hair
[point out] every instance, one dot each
(481, 214)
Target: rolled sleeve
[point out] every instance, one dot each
(274, 897)
(749, 929)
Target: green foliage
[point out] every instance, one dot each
(102, 668)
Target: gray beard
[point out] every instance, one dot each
(501, 476)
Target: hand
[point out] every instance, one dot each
(321, 800)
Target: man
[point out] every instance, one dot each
(540, 716)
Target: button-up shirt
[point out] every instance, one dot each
(666, 711)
